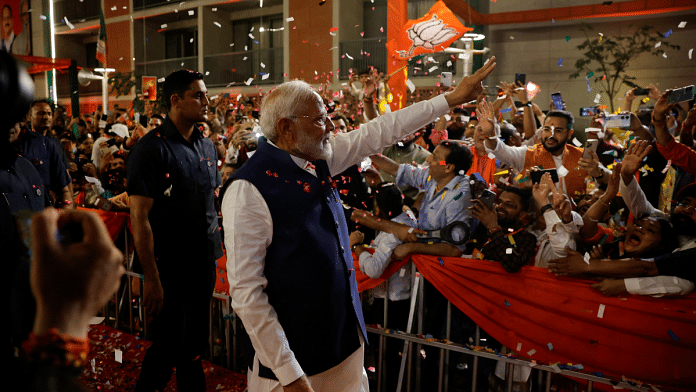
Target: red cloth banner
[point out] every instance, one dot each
(114, 221)
(551, 319)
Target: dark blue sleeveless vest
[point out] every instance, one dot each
(309, 265)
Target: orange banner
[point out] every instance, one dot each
(550, 319)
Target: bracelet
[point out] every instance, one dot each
(546, 208)
(368, 100)
(659, 122)
(57, 350)
(602, 201)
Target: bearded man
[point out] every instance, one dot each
(552, 152)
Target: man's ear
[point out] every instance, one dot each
(449, 168)
(174, 100)
(285, 130)
(570, 134)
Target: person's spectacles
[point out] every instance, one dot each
(320, 121)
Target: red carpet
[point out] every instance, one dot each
(103, 373)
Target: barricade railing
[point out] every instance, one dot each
(411, 370)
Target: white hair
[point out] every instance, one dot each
(282, 102)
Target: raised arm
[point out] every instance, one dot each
(601, 206)
(386, 164)
(659, 119)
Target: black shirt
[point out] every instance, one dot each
(181, 177)
(48, 160)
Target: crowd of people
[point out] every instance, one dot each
(303, 178)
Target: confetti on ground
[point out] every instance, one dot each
(590, 74)
(600, 312)
(682, 24)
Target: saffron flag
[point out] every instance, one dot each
(101, 44)
(432, 33)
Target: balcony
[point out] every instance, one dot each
(162, 68)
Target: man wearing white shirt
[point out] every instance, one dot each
(290, 267)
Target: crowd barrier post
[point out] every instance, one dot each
(407, 344)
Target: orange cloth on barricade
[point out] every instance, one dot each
(551, 319)
(114, 221)
(222, 286)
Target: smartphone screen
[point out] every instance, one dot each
(588, 111)
(520, 79)
(681, 94)
(557, 101)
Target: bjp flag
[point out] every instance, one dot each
(432, 33)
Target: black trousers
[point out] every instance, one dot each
(180, 332)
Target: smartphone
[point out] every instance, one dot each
(681, 94)
(520, 79)
(557, 101)
(590, 145)
(103, 204)
(111, 142)
(255, 114)
(143, 121)
(641, 91)
(488, 198)
(136, 117)
(446, 79)
(537, 174)
(617, 121)
(588, 111)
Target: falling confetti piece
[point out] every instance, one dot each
(248, 82)
(597, 98)
(567, 38)
(550, 346)
(265, 76)
(590, 74)
(347, 55)
(668, 33)
(577, 142)
(508, 304)
(505, 110)
(262, 65)
(690, 52)
(519, 347)
(410, 85)
(600, 312)
(432, 69)
(560, 62)
(114, 8)
(664, 55)
(67, 22)
(587, 258)
(191, 12)
(531, 352)
(163, 26)
(562, 172)
(290, 19)
(682, 24)
(42, 17)
(214, 9)
(657, 45)
(217, 24)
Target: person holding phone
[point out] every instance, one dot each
(552, 152)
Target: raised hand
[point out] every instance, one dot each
(633, 159)
(470, 86)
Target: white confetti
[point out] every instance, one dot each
(251, 36)
(682, 24)
(587, 258)
(519, 347)
(244, 59)
(690, 51)
(664, 55)
(531, 352)
(577, 142)
(42, 17)
(410, 85)
(160, 80)
(265, 76)
(589, 129)
(214, 9)
(555, 368)
(239, 97)
(597, 98)
(248, 82)
(562, 171)
(163, 26)
(67, 22)
(191, 12)
(600, 312)
(207, 73)
(263, 65)
(432, 68)
(402, 273)
(118, 354)
(290, 19)
(347, 55)
(449, 63)
(214, 97)
(114, 8)
(657, 45)
(217, 24)
(491, 155)
(508, 251)
(191, 40)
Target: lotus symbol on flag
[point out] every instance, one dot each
(429, 33)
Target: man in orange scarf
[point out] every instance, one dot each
(552, 152)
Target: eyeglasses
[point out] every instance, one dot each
(320, 121)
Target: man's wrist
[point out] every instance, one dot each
(545, 208)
